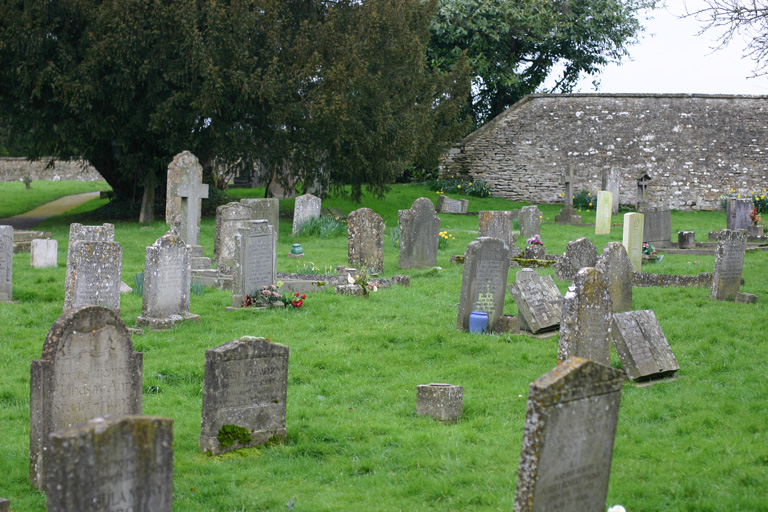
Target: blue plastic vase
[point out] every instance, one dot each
(478, 322)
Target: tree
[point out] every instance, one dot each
(514, 46)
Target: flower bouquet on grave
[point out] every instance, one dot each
(267, 297)
(534, 248)
(297, 300)
(362, 279)
(650, 254)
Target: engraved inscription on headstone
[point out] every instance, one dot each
(617, 269)
(419, 233)
(365, 240)
(483, 282)
(255, 253)
(729, 263)
(6, 263)
(579, 253)
(93, 275)
(539, 302)
(641, 345)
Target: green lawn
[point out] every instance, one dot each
(17, 199)
(696, 443)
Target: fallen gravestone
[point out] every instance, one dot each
(93, 275)
(419, 233)
(632, 239)
(641, 345)
(365, 240)
(483, 281)
(530, 221)
(617, 269)
(448, 205)
(444, 402)
(579, 253)
(43, 253)
(6, 263)
(256, 257)
(305, 208)
(729, 263)
(539, 303)
(244, 395)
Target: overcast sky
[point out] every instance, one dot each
(672, 58)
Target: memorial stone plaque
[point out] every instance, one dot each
(530, 221)
(448, 205)
(6, 263)
(256, 256)
(44, 253)
(632, 239)
(729, 263)
(244, 394)
(365, 240)
(265, 209)
(570, 427)
(88, 368)
(579, 253)
(93, 275)
(497, 224)
(603, 214)
(483, 282)
(539, 302)
(617, 269)
(737, 213)
(229, 218)
(419, 233)
(112, 465)
(306, 207)
(641, 345)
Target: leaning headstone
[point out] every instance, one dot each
(483, 283)
(244, 394)
(229, 218)
(657, 226)
(265, 209)
(88, 368)
(419, 233)
(256, 260)
(6, 263)
(167, 282)
(539, 303)
(579, 253)
(444, 402)
(632, 239)
(729, 263)
(530, 221)
(184, 168)
(365, 240)
(568, 214)
(611, 181)
(686, 240)
(497, 224)
(737, 213)
(448, 205)
(93, 275)
(586, 324)
(603, 216)
(617, 269)
(306, 207)
(570, 427)
(44, 253)
(113, 464)
(641, 345)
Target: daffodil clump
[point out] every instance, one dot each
(477, 188)
(443, 238)
(584, 200)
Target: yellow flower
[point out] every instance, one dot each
(458, 186)
(738, 196)
(590, 204)
(470, 183)
(762, 197)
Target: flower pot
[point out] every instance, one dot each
(297, 249)
(478, 322)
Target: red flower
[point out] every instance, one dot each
(302, 297)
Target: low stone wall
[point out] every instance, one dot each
(16, 169)
(645, 279)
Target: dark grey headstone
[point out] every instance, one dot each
(686, 239)
(641, 345)
(579, 253)
(539, 303)
(6, 263)
(737, 213)
(93, 276)
(256, 257)
(657, 226)
(305, 207)
(497, 224)
(265, 209)
(244, 394)
(229, 218)
(617, 269)
(419, 233)
(570, 427)
(365, 240)
(483, 282)
(112, 465)
(88, 368)
(729, 263)
(530, 221)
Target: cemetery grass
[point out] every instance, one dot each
(693, 443)
(17, 199)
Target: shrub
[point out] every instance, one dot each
(476, 188)
(322, 227)
(584, 201)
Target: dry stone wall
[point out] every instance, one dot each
(695, 148)
(16, 169)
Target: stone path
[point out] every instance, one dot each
(37, 215)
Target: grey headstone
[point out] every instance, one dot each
(539, 303)
(729, 263)
(641, 345)
(579, 253)
(568, 214)
(167, 282)
(444, 402)
(746, 298)
(229, 218)
(611, 181)
(497, 224)
(245, 387)
(6, 263)
(530, 221)
(93, 275)
(266, 209)
(190, 192)
(88, 368)
(657, 226)
(483, 282)
(617, 270)
(585, 328)
(44, 253)
(184, 168)
(686, 240)
(306, 207)
(737, 213)
(365, 245)
(570, 427)
(419, 233)
(448, 205)
(112, 465)
(79, 233)
(256, 257)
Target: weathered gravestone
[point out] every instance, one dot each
(497, 224)
(88, 368)
(579, 253)
(265, 209)
(530, 221)
(244, 394)
(617, 270)
(256, 260)
(729, 263)
(44, 253)
(603, 214)
(184, 168)
(570, 427)
(419, 233)
(737, 213)
(78, 232)
(657, 226)
(6, 263)
(112, 465)
(611, 181)
(568, 214)
(585, 327)
(539, 303)
(443, 402)
(632, 239)
(365, 240)
(190, 194)
(448, 205)
(483, 282)
(686, 239)
(641, 345)
(93, 275)
(167, 282)
(306, 207)
(229, 218)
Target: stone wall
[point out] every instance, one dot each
(16, 169)
(695, 148)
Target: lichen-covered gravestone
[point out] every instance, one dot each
(737, 213)
(183, 169)
(603, 213)
(6, 263)
(617, 269)
(641, 345)
(167, 281)
(256, 260)
(112, 465)
(419, 233)
(585, 328)
(265, 209)
(443, 402)
(579, 253)
(729, 264)
(365, 240)
(44, 253)
(539, 303)
(79, 233)
(88, 368)
(448, 205)
(632, 239)
(244, 394)
(93, 275)
(570, 427)
(229, 218)
(530, 221)
(306, 207)
(483, 282)
(497, 224)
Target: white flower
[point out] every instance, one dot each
(617, 508)
(375, 288)
(350, 279)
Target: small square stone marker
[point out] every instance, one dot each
(444, 402)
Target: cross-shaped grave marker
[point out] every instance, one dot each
(189, 193)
